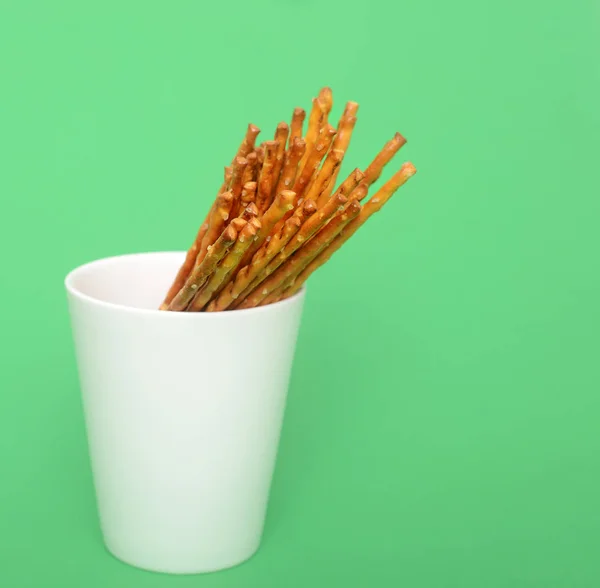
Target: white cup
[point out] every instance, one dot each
(183, 413)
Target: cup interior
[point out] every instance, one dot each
(135, 281)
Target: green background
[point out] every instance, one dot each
(443, 421)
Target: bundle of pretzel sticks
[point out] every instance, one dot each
(278, 215)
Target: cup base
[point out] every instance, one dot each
(183, 571)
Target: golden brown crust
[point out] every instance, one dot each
(250, 173)
(388, 151)
(286, 272)
(248, 142)
(261, 258)
(187, 266)
(265, 180)
(311, 165)
(250, 212)
(347, 186)
(218, 219)
(280, 204)
(201, 272)
(260, 158)
(372, 206)
(290, 167)
(298, 117)
(283, 203)
(281, 135)
(317, 187)
(235, 187)
(309, 228)
(219, 278)
(316, 122)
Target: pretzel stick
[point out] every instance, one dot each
(238, 223)
(359, 192)
(373, 205)
(341, 142)
(313, 224)
(216, 223)
(346, 126)
(227, 175)
(306, 255)
(315, 123)
(281, 135)
(288, 173)
(298, 117)
(262, 257)
(390, 149)
(270, 249)
(244, 276)
(202, 271)
(347, 186)
(260, 158)
(282, 204)
(324, 175)
(248, 142)
(239, 166)
(250, 173)
(303, 256)
(245, 238)
(277, 294)
(311, 165)
(265, 180)
(186, 267)
(250, 212)
(248, 196)
(325, 98)
(191, 256)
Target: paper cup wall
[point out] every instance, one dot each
(183, 414)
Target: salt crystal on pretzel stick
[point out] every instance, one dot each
(390, 149)
(265, 179)
(218, 219)
(281, 135)
(311, 165)
(219, 278)
(373, 205)
(309, 228)
(303, 256)
(201, 272)
(262, 257)
(298, 117)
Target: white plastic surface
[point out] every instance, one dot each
(183, 413)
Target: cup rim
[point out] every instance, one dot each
(76, 293)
